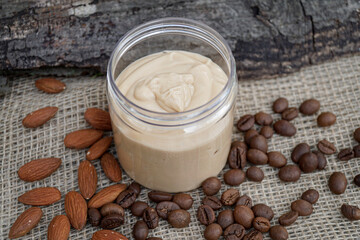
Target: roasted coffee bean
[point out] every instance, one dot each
(94, 216)
(234, 232)
(151, 217)
(234, 177)
(262, 210)
(309, 107)
(337, 183)
(326, 119)
(304, 208)
(255, 156)
(237, 156)
(164, 208)
(308, 162)
(212, 201)
(278, 233)
(276, 159)
(137, 209)
(126, 198)
(243, 216)
(326, 147)
(253, 235)
(298, 151)
(261, 224)
(356, 150)
(259, 142)
(249, 135)
(112, 208)
(225, 218)
(179, 218)
(284, 128)
(350, 212)
(255, 174)
(245, 122)
(290, 114)
(311, 196)
(230, 196)
(357, 134)
(184, 200)
(134, 186)
(205, 215)
(263, 119)
(267, 132)
(213, 232)
(357, 180)
(140, 230)
(280, 105)
(211, 186)
(288, 218)
(244, 200)
(156, 196)
(322, 162)
(289, 173)
(112, 221)
(346, 154)
(238, 143)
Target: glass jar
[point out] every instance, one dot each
(172, 152)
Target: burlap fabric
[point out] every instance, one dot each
(335, 84)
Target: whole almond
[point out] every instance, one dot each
(25, 222)
(40, 196)
(98, 119)
(38, 169)
(98, 149)
(82, 138)
(107, 235)
(111, 167)
(39, 117)
(76, 209)
(50, 85)
(87, 179)
(59, 228)
(106, 195)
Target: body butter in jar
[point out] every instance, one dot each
(171, 87)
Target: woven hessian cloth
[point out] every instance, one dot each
(336, 85)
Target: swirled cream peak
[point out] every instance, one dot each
(171, 81)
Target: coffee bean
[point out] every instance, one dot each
(261, 224)
(151, 217)
(213, 232)
(357, 180)
(350, 212)
(326, 119)
(94, 216)
(280, 105)
(140, 230)
(311, 196)
(289, 173)
(357, 134)
(346, 154)
(322, 162)
(278, 233)
(243, 216)
(356, 150)
(267, 132)
(262, 210)
(234, 232)
(205, 215)
(237, 156)
(308, 162)
(112, 221)
(326, 147)
(263, 119)
(244, 200)
(337, 183)
(276, 159)
(234, 177)
(309, 107)
(284, 128)
(112, 208)
(156, 196)
(134, 186)
(255, 174)
(238, 143)
(137, 209)
(212, 201)
(304, 208)
(259, 142)
(288, 218)
(255, 156)
(290, 114)
(126, 198)
(225, 218)
(298, 151)
(179, 218)
(245, 123)
(211, 186)
(184, 200)
(230, 196)
(253, 235)
(164, 208)
(249, 135)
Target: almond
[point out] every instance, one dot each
(25, 222)
(98, 119)
(50, 85)
(87, 179)
(40, 196)
(82, 138)
(107, 235)
(106, 195)
(98, 149)
(39, 117)
(111, 167)
(59, 228)
(38, 169)
(76, 209)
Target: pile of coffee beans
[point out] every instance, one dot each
(348, 153)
